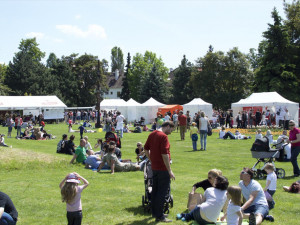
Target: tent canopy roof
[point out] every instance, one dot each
(152, 102)
(132, 102)
(169, 106)
(197, 101)
(23, 102)
(112, 102)
(262, 98)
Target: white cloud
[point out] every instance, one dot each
(38, 35)
(94, 31)
(77, 17)
(58, 40)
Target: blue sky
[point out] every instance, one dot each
(168, 28)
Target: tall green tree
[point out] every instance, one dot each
(182, 89)
(222, 79)
(141, 67)
(125, 93)
(154, 86)
(26, 74)
(117, 59)
(4, 90)
(276, 69)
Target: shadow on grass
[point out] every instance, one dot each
(193, 151)
(290, 178)
(139, 211)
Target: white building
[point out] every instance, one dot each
(114, 83)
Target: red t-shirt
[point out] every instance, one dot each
(158, 144)
(293, 136)
(182, 120)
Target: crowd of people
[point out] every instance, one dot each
(218, 195)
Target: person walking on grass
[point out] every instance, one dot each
(294, 139)
(71, 194)
(157, 149)
(194, 135)
(203, 125)
(182, 124)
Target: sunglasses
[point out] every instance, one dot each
(291, 125)
(138, 145)
(243, 172)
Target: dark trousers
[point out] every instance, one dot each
(195, 215)
(295, 152)
(229, 134)
(161, 184)
(74, 218)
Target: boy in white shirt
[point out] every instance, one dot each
(271, 183)
(258, 134)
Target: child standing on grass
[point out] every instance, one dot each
(271, 183)
(71, 194)
(234, 213)
(194, 135)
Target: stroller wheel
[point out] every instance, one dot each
(143, 201)
(280, 173)
(171, 201)
(259, 174)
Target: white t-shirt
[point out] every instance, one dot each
(175, 117)
(167, 118)
(204, 122)
(257, 136)
(75, 205)
(120, 120)
(215, 200)
(232, 217)
(273, 178)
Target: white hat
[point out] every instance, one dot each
(72, 178)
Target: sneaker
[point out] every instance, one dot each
(296, 175)
(270, 218)
(252, 219)
(201, 149)
(164, 220)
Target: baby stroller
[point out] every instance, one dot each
(146, 199)
(110, 136)
(264, 154)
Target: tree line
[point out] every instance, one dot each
(218, 77)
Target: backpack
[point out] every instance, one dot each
(261, 145)
(58, 150)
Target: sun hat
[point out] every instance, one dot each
(72, 178)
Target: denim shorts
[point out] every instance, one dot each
(258, 209)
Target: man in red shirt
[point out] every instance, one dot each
(182, 119)
(157, 149)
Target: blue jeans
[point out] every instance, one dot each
(295, 152)
(161, 185)
(203, 136)
(6, 219)
(120, 133)
(19, 131)
(195, 215)
(258, 209)
(194, 145)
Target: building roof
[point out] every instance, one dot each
(112, 82)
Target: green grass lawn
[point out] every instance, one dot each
(31, 171)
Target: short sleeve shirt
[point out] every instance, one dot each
(182, 120)
(251, 187)
(75, 205)
(232, 217)
(81, 154)
(273, 178)
(158, 144)
(293, 136)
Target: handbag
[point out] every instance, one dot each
(209, 129)
(194, 200)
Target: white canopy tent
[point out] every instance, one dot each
(52, 106)
(114, 104)
(268, 100)
(149, 110)
(196, 105)
(133, 110)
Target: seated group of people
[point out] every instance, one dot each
(218, 196)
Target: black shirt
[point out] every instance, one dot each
(8, 205)
(204, 184)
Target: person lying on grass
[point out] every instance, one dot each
(116, 166)
(294, 188)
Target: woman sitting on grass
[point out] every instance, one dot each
(111, 159)
(207, 183)
(214, 200)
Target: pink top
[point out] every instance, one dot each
(293, 136)
(75, 205)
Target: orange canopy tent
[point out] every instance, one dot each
(169, 108)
